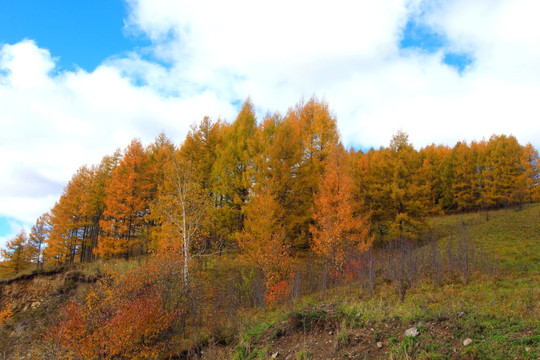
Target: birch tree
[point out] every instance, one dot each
(182, 207)
(37, 239)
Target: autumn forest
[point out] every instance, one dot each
(231, 217)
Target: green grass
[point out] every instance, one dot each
(303, 355)
(500, 313)
(255, 331)
(511, 235)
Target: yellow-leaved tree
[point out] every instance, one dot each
(16, 254)
(125, 225)
(262, 242)
(182, 209)
(317, 134)
(38, 238)
(231, 178)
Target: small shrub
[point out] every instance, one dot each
(470, 351)
(307, 319)
(304, 354)
(351, 315)
(343, 338)
(277, 333)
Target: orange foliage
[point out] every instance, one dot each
(338, 232)
(231, 169)
(272, 257)
(125, 219)
(262, 243)
(123, 315)
(314, 128)
(5, 315)
(277, 292)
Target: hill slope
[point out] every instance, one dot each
(498, 309)
(496, 305)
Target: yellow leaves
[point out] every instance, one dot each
(182, 204)
(396, 185)
(493, 174)
(17, 254)
(231, 170)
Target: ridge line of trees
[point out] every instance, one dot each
(270, 187)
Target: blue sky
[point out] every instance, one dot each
(79, 79)
(420, 37)
(5, 228)
(79, 33)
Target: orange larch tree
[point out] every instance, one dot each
(160, 155)
(395, 185)
(277, 161)
(125, 227)
(61, 245)
(200, 149)
(432, 173)
(96, 202)
(502, 184)
(410, 190)
(338, 233)
(317, 130)
(373, 186)
(262, 242)
(73, 224)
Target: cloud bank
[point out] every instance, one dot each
(53, 123)
(351, 55)
(207, 56)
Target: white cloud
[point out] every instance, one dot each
(504, 36)
(54, 123)
(275, 52)
(280, 51)
(217, 53)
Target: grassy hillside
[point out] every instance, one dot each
(512, 235)
(498, 310)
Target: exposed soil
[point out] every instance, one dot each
(329, 338)
(326, 335)
(35, 300)
(29, 291)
